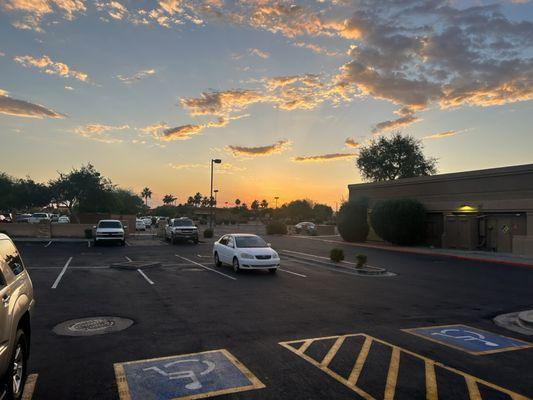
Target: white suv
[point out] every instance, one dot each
(16, 293)
(109, 230)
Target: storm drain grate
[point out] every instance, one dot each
(92, 326)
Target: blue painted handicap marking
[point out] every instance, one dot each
(189, 376)
(471, 340)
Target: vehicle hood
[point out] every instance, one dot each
(256, 251)
(186, 228)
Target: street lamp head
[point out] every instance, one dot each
(217, 161)
(216, 190)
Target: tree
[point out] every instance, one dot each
(255, 205)
(197, 199)
(237, 202)
(394, 158)
(399, 221)
(264, 204)
(125, 202)
(322, 212)
(204, 202)
(146, 194)
(168, 199)
(299, 210)
(190, 201)
(352, 222)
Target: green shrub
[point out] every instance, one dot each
(208, 233)
(88, 233)
(336, 255)
(276, 227)
(400, 221)
(352, 222)
(361, 260)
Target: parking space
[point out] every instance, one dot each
(188, 315)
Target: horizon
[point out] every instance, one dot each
(285, 93)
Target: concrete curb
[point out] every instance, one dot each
(428, 253)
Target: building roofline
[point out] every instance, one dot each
(500, 171)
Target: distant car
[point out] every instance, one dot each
(6, 217)
(305, 227)
(181, 229)
(53, 217)
(63, 220)
(109, 230)
(22, 218)
(161, 221)
(147, 221)
(245, 251)
(16, 291)
(36, 218)
(139, 225)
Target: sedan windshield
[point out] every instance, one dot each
(110, 224)
(250, 241)
(182, 222)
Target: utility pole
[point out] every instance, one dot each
(213, 162)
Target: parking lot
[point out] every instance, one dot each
(308, 332)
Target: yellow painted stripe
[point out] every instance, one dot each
(361, 358)
(432, 392)
(392, 376)
(29, 387)
(331, 353)
(305, 346)
(473, 390)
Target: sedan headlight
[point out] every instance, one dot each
(275, 255)
(247, 256)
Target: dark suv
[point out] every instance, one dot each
(16, 294)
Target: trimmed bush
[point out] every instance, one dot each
(208, 233)
(399, 221)
(352, 222)
(336, 255)
(361, 260)
(276, 227)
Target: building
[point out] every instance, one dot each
(490, 209)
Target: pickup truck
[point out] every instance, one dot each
(181, 229)
(17, 303)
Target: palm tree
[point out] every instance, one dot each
(255, 205)
(190, 201)
(237, 202)
(168, 199)
(197, 199)
(204, 202)
(264, 203)
(146, 194)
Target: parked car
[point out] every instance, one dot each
(36, 218)
(23, 218)
(139, 225)
(63, 220)
(245, 251)
(147, 221)
(16, 291)
(161, 221)
(6, 217)
(109, 230)
(181, 229)
(53, 217)
(305, 227)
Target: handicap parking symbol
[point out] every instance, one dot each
(471, 340)
(189, 376)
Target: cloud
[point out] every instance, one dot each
(224, 168)
(259, 53)
(350, 142)
(137, 76)
(317, 49)
(441, 135)
(32, 11)
(278, 147)
(69, 88)
(114, 9)
(324, 157)
(221, 102)
(100, 132)
(406, 118)
(22, 108)
(51, 67)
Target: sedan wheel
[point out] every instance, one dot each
(217, 261)
(236, 266)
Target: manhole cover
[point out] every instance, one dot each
(92, 326)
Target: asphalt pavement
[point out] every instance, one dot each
(307, 332)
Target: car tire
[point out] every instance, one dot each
(173, 240)
(236, 266)
(18, 370)
(218, 264)
(123, 242)
(272, 270)
(195, 241)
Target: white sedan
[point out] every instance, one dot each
(140, 225)
(245, 251)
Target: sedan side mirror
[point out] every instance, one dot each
(94, 226)
(269, 244)
(125, 226)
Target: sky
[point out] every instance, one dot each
(285, 93)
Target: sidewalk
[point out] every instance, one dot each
(471, 255)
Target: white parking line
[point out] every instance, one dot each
(56, 283)
(203, 266)
(294, 273)
(145, 277)
(88, 243)
(29, 387)
(127, 258)
(127, 243)
(48, 244)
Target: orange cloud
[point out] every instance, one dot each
(441, 135)
(99, 132)
(278, 147)
(22, 108)
(51, 67)
(324, 157)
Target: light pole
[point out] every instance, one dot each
(276, 198)
(213, 161)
